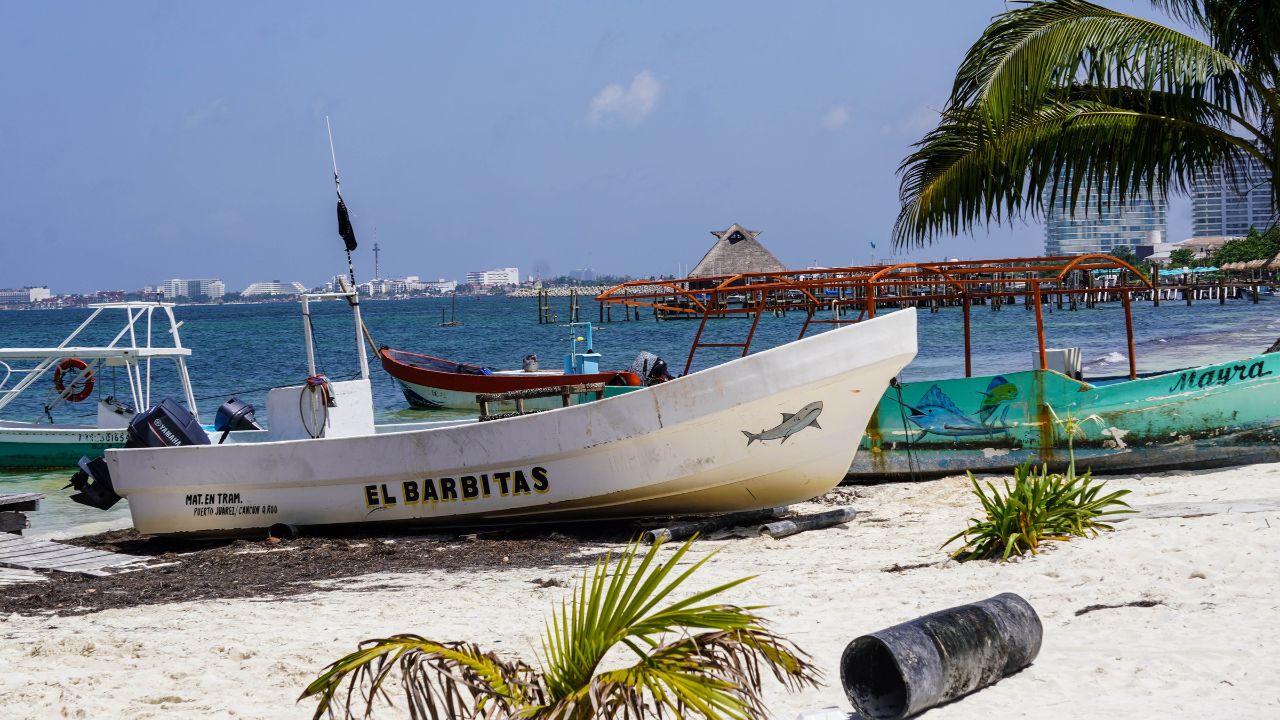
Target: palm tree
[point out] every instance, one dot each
(694, 658)
(1061, 98)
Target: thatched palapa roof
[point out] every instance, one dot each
(736, 251)
(1263, 264)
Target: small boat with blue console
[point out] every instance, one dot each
(44, 390)
(431, 382)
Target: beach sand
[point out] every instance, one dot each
(1205, 648)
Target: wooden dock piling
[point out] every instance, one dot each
(14, 508)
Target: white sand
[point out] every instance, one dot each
(1208, 650)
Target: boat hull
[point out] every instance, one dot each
(37, 446)
(769, 429)
(1211, 416)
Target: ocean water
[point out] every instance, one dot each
(244, 350)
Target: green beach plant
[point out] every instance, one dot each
(1060, 98)
(693, 658)
(1039, 506)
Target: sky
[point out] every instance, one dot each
(143, 141)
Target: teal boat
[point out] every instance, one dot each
(1210, 416)
(49, 429)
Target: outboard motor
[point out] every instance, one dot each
(658, 373)
(235, 414)
(93, 483)
(167, 424)
(651, 368)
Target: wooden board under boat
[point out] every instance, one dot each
(1210, 416)
(769, 429)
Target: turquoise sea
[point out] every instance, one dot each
(243, 350)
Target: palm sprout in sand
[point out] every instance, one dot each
(693, 658)
(1061, 98)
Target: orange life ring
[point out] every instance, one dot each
(85, 382)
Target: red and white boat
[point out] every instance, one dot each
(431, 382)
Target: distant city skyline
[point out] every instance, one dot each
(155, 140)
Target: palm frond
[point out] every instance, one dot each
(970, 170)
(615, 603)
(1059, 97)
(715, 675)
(1027, 53)
(455, 679)
(1248, 30)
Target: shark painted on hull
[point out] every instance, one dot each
(791, 424)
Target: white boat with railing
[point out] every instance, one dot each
(763, 430)
(61, 378)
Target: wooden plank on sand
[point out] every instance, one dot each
(9, 576)
(28, 554)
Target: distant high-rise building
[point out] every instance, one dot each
(205, 289)
(583, 274)
(24, 295)
(275, 287)
(491, 278)
(383, 286)
(1104, 224)
(415, 284)
(1229, 203)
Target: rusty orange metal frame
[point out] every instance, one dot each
(870, 286)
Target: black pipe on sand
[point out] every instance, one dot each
(906, 669)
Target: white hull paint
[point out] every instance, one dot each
(680, 447)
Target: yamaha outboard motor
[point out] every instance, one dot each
(235, 414)
(167, 424)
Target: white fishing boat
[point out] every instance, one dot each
(62, 378)
(760, 431)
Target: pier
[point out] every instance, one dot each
(850, 294)
(14, 508)
(672, 299)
